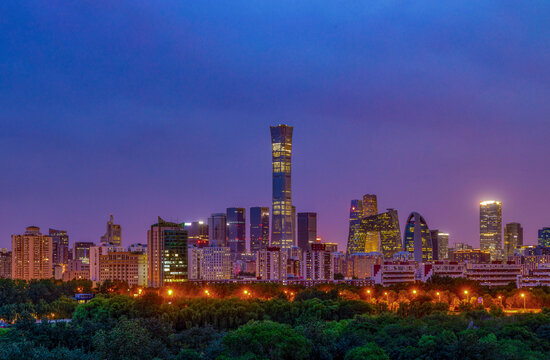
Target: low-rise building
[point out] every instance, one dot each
(391, 273)
(496, 273)
(443, 268)
(536, 277)
(473, 256)
(361, 264)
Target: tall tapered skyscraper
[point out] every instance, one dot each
(282, 231)
(370, 208)
(490, 227)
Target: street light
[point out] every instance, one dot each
(207, 293)
(170, 292)
(370, 295)
(439, 296)
(523, 296)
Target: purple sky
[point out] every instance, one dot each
(154, 108)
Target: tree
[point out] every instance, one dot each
(370, 351)
(266, 340)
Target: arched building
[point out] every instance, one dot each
(417, 239)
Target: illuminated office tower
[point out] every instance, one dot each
(236, 230)
(282, 219)
(387, 224)
(418, 240)
(370, 208)
(440, 245)
(197, 232)
(513, 237)
(293, 222)
(544, 237)
(166, 253)
(31, 255)
(307, 230)
(60, 246)
(217, 230)
(356, 238)
(259, 228)
(490, 227)
(113, 235)
(81, 251)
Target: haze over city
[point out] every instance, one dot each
(164, 109)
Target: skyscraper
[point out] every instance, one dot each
(440, 245)
(113, 235)
(31, 255)
(236, 230)
(281, 224)
(513, 237)
(544, 236)
(217, 229)
(370, 208)
(166, 253)
(259, 228)
(490, 227)
(418, 240)
(81, 251)
(356, 238)
(197, 232)
(60, 246)
(387, 224)
(307, 229)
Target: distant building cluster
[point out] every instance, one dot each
(284, 246)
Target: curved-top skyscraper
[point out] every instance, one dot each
(282, 231)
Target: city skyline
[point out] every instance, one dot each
(87, 133)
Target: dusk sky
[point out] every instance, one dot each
(162, 108)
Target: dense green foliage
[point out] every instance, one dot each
(316, 324)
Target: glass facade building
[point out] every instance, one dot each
(166, 253)
(307, 230)
(356, 239)
(440, 245)
(544, 237)
(513, 237)
(370, 208)
(490, 227)
(418, 240)
(60, 246)
(282, 231)
(236, 230)
(259, 228)
(387, 225)
(217, 230)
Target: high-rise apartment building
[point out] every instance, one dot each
(271, 264)
(94, 258)
(5, 263)
(307, 229)
(81, 251)
(317, 263)
(113, 235)
(31, 255)
(217, 230)
(544, 237)
(236, 230)
(418, 240)
(60, 243)
(513, 237)
(209, 263)
(166, 253)
(259, 228)
(370, 208)
(490, 227)
(282, 231)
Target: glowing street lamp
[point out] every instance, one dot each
(207, 293)
(465, 295)
(387, 298)
(170, 292)
(523, 296)
(370, 295)
(438, 296)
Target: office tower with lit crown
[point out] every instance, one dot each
(490, 227)
(387, 225)
(197, 232)
(418, 240)
(282, 232)
(166, 253)
(440, 244)
(513, 237)
(217, 230)
(307, 229)
(259, 228)
(544, 237)
(60, 244)
(31, 255)
(370, 208)
(356, 239)
(236, 230)
(113, 235)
